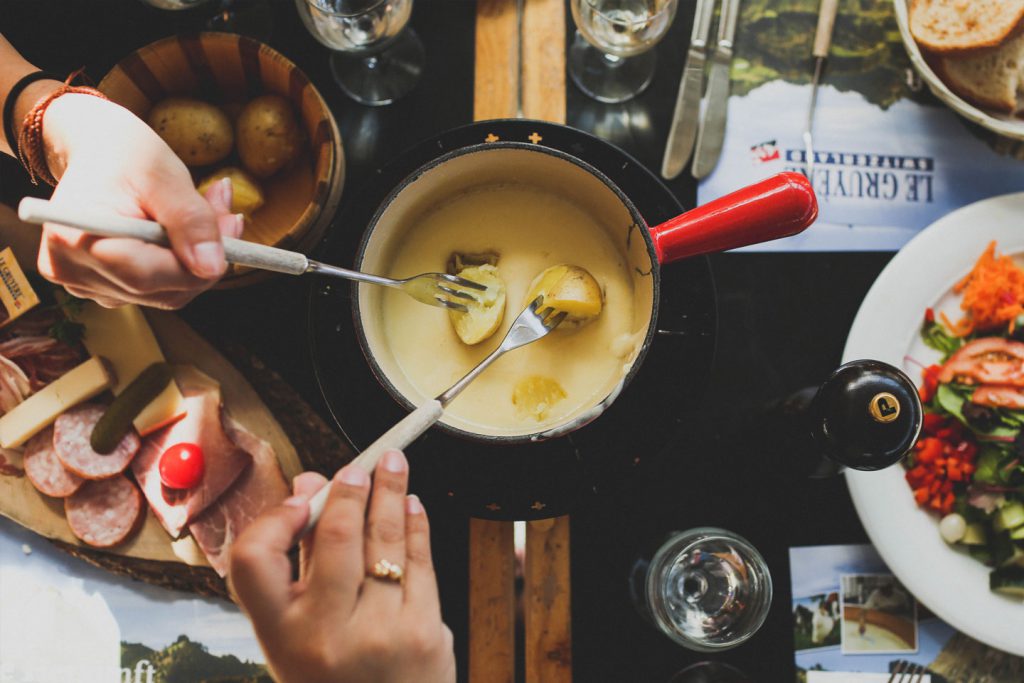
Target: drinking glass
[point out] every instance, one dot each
(611, 58)
(373, 60)
(707, 589)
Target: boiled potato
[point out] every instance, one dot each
(198, 132)
(246, 195)
(269, 137)
(570, 289)
(484, 315)
(534, 396)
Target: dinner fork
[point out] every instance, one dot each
(436, 289)
(907, 672)
(526, 329)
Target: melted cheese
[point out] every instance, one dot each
(531, 229)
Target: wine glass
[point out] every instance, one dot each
(248, 17)
(711, 672)
(707, 589)
(611, 58)
(373, 60)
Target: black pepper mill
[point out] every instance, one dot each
(866, 416)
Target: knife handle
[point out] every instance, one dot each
(826, 22)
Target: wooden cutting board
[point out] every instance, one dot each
(20, 501)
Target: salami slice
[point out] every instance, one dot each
(71, 434)
(104, 513)
(45, 470)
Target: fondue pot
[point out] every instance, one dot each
(778, 207)
(650, 420)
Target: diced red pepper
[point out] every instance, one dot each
(921, 495)
(929, 315)
(931, 423)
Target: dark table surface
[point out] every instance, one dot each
(783, 320)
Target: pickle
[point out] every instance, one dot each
(117, 420)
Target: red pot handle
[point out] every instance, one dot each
(780, 206)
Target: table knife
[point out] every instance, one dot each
(691, 87)
(822, 42)
(711, 134)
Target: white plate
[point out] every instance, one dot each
(1004, 124)
(921, 275)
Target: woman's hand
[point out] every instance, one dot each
(336, 622)
(107, 158)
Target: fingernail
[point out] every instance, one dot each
(239, 224)
(353, 475)
(295, 502)
(209, 258)
(394, 462)
(226, 192)
(413, 506)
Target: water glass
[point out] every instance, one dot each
(707, 589)
(374, 60)
(611, 58)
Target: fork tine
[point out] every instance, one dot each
(457, 293)
(463, 282)
(451, 304)
(536, 303)
(556, 321)
(545, 313)
(896, 671)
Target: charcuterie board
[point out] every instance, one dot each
(152, 547)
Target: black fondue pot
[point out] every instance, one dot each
(541, 474)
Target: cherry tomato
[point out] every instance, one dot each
(181, 466)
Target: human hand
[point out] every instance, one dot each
(337, 623)
(107, 158)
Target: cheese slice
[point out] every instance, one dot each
(39, 410)
(123, 336)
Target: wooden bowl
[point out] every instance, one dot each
(227, 70)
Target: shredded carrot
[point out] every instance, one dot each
(993, 294)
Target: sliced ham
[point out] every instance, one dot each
(72, 432)
(45, 470)
(104, 513)
(261, 486)
(224, 460)
(991, 360)
(998, 397)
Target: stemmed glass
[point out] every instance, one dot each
(373, 60)
(611, 58)
(707, 589)
(248, 17)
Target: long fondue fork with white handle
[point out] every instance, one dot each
(435, 289)
(527, 328)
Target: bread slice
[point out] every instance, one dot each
(962, 26)
(992, 79)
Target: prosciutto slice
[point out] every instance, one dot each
(261, 486)
(224, 460)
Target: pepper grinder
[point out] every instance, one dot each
(867, 416)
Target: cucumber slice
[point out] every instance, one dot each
(1010, 516)
(1008, 581)
(1017, 534)
(975, 535)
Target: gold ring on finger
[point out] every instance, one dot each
(387, 571)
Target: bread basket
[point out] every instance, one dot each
(1004, 124)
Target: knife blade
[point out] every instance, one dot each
(711, 133)
(683, 133)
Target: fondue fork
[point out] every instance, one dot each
(435, 289)
(526, 329)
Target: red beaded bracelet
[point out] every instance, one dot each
(31, 150)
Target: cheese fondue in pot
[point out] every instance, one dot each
(530, 229)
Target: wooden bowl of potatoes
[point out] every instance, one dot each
(231, 106)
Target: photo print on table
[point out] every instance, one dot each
(879, 615)
(816, 621)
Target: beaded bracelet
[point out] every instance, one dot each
(31, 150)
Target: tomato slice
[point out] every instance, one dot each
(182, 466)
(991, 360)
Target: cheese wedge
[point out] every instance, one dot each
(123, 336)
(39, 410)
